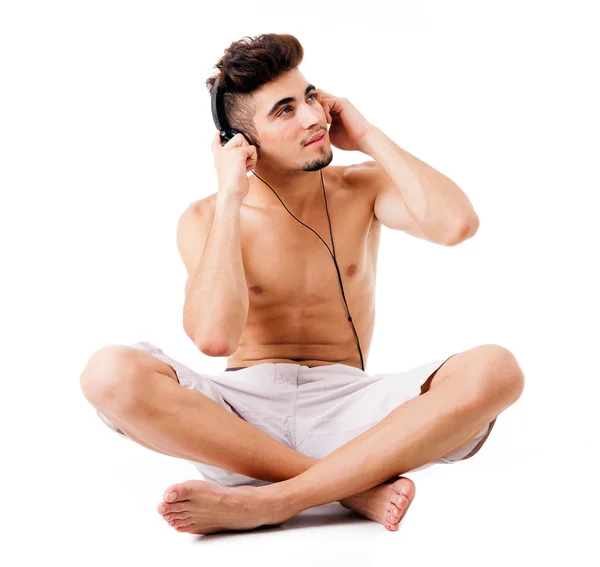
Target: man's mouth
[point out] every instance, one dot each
(315, 138)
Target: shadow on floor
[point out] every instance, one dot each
(326, 515)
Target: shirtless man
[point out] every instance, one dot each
(261, 288)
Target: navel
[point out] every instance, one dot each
(351, 271)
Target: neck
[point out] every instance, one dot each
(298, 189)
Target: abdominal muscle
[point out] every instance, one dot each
(318, 335)
(296, 309)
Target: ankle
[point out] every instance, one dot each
(277, 499)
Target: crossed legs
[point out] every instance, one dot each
(466, 393)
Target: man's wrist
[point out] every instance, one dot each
(228, 201)
(364, 144)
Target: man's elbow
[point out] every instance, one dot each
(212, 347)
(465, 230)
(215, 349)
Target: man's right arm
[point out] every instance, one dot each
(216, 293)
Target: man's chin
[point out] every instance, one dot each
(319, 163)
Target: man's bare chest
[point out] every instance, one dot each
(288, 262)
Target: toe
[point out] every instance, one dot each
(405, 491)
(405, 486)
(175, 493)
(180, 516)
(401, 502)
(172, 493)
(187, 528)
(180, 522)
(177, 507)
(166, 508)
(397, 501)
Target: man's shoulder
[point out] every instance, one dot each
(362, 179)
(202, 206)
(357, 174)
(199, 212)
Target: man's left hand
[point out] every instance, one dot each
(348, 125)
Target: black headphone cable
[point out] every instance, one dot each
(332, 255)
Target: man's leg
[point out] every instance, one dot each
(140, 394)
(419, 431)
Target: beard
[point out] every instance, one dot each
(316, 164)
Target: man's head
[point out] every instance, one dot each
(258, 75)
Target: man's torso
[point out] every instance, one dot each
(296, 309)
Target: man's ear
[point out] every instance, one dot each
(256, 145)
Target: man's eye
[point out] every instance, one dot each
(286, 107)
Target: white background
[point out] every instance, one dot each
(105, 132)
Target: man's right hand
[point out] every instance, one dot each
(233, 161)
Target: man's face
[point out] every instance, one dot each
(285, 127)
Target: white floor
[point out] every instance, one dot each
(91, 500)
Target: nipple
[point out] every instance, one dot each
(351, 271)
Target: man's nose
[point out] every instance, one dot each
(310, 116)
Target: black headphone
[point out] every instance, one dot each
(220, 119)
(219, 116)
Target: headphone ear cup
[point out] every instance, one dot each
(219, 117)
(226, 135)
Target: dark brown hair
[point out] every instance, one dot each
(247, 65)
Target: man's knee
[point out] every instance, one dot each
(502, 377)
(114, 376)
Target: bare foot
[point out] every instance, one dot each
(201, 507)
(386, 503)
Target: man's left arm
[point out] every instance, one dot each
(438, 206)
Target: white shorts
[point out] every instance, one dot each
(312, 410)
